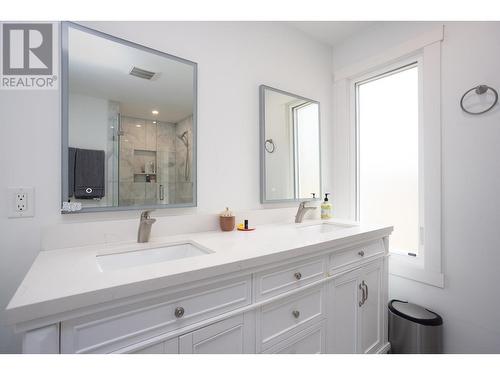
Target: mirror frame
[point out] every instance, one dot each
(262, 140)
(65, 26)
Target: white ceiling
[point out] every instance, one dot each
(100, 68)
(331, 32)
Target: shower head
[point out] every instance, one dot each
(183, 137)
(185, 140)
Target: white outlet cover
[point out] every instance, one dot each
(12, 193)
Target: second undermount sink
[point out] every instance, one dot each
(141, 257)
(322, 227)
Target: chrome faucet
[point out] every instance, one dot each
(302, 211)
(145, 224)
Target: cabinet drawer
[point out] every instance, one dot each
(309, 341)
(355, 254)
(288, 277)
(113, 329)
(278, 320)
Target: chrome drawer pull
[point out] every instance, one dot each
(361, 253)
(298, 275)
(179, 312)
(296, 313)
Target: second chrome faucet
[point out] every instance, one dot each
(145, 224)
(302, 211)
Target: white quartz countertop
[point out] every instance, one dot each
(67, 279)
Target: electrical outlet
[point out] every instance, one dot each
(21, 201)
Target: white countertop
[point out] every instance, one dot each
(68, 279)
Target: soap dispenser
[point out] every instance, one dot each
(326, 208)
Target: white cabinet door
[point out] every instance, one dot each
(164, 347)
(355, 311)
(371, 310)
(308, 341)
(343, 310)
(234, 335)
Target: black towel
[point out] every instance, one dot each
(71, 171)
(89, 174)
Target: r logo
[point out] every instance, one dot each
(27, 49)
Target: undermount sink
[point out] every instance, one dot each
(141, 257)
(322, 227)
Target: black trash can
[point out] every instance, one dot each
(414, 329)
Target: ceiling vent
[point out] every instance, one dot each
(141, 73)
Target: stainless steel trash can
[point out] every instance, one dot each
(414, 329)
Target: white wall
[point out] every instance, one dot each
(469, 302)
(234, 59)
(89, 122)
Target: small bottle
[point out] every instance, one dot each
(326, 208)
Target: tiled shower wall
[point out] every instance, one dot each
(153, 148)
(166, 163)
(112, 153)
(184, 180)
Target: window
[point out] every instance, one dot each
(383, 87)
(387, 122)
(306, 120)
(396, 112)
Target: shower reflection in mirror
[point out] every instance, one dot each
(129, 113)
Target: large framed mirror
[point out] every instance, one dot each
(128, 124)
(289, 146)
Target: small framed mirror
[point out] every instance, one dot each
(128, 124)
(289, 146)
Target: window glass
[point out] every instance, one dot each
(388, 152)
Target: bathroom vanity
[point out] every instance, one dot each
(315, 287)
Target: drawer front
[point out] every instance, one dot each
(356, 254)
(309, 341)
(276, 321)
(288, 277)
(107, 331)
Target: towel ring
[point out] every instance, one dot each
(480, 90)
(270, 146)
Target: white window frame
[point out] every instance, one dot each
(426, 49)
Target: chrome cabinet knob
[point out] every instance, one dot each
(361, 253)
(179, 312)
(296, 313)
(298, 275)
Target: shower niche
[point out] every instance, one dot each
(129, 124)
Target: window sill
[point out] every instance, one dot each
(413, 269)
